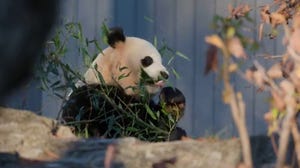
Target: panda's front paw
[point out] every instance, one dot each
(177, 134)
(172, 101)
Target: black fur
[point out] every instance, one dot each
(177, 134)
(93, 103)
(174, 100)
(96, 104)
(147, 61)
(115, 35)
(24, 28)
(172, 96)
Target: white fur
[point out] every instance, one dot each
(128, 54)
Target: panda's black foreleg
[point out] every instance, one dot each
(177, 134)
(172, 101)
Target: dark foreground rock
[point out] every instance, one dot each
(24, 26)
(29, 141)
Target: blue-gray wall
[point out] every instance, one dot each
(183, 24)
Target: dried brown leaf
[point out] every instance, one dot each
(275, 71)
(268, 117)
(239, 11)
(281, 8)
(294, 41)
(236, 48)
(249, 75)
(261, 31)
(258, 77)
(265, 14)
(215, 40)
(277, 19)
(211, 59)
(287, 67)
(233, 67)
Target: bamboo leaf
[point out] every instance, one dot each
(175, 73)
(155, 41)
(148, 19)
(55, 83)
(182, 55)
(150, 112)
(170, 60)
(122, 76)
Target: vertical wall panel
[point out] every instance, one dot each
(104, 14)
(185, 33)
(262, 98)
(125, 15)
(87, 11)
(165, 29)
(51, 104)
(242, 85)
(223, 123)
(145, 20)
(203, 102)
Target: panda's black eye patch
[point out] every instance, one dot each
(146, 61)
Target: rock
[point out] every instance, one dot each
(30, 135)
(190, 153)
(24, 27)
(28, 141)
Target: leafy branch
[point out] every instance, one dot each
(281, 79)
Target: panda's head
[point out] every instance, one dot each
(130, 62)
(143, 55)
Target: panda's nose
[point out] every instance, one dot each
(164, 74)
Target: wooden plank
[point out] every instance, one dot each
(104, 14)
(164, 29)
(262, 98)
(145, 20)
(50, 103)
(223, 123)
(184, 43)
(125, 15)
(203, 99)
(241, 85)
(87, 18)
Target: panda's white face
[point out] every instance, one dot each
(143, 55)
(125, 62)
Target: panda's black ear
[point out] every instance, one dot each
(115, 35)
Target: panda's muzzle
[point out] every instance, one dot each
(164, 74)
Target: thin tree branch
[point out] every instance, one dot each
(286, 130)
(296, 136)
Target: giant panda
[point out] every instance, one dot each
(123, 63)
(124, 77)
